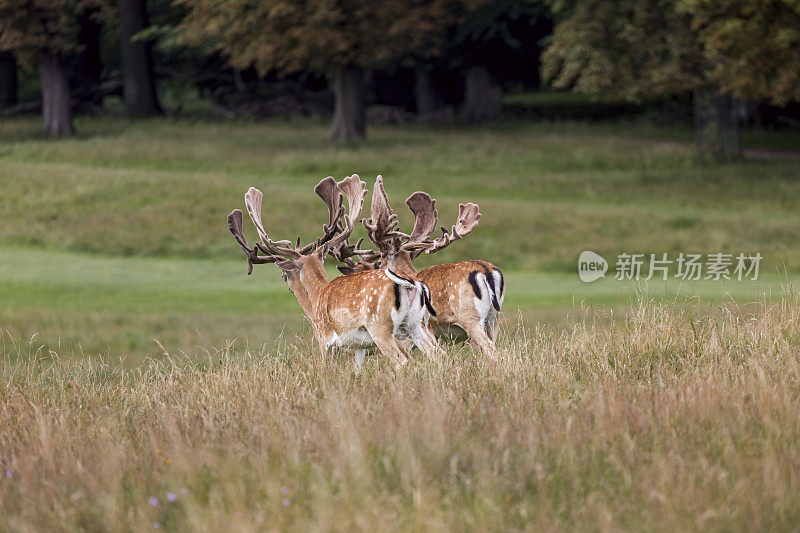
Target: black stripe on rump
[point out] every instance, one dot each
(474, 282)
(426, 292)
(492, 288)
(396, 296)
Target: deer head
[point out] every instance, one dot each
(291, 258)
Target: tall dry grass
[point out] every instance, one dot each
(670, 417)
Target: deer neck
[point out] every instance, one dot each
(401, 263)
(313, 278)
(302, 296)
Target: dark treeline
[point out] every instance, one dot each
(402, 59)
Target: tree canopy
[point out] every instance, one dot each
(316, 35)
(629, 48)
(753, 47)
(33, 28)
(639, 48)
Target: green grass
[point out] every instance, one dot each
(118, 236)
(133, 307)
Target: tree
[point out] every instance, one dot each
(486, 31)
(755, 46)
(715, 49)
(138, 80)
(86, 67)
(44, 33)
(333, 37)
(8, 80)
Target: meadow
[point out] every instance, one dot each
(140, 361)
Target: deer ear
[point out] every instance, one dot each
(288, 265)
(347, 269)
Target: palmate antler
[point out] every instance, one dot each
(355, 191)
(382, 225)
(235, 227)
(335, 232)
(468, 216)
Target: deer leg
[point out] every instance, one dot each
(359, 360)
(405, 344)
(479, 338)
(383, 336)
(423, 338)
(325, 341)
(492, 325)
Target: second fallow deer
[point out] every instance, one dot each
(467, 296)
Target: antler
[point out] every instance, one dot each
(382, 224)
(327, 190)
(355, 191)
(468, 216)
(252, 201)
(235, 227)
(425, 215)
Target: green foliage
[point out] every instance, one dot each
(31, 28)
(756, 46)
(639, 48)
(291, 36)
(631, 48)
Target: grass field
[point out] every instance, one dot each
(118, 237)
(138, 358)
(664, 419)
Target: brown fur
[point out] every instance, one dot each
(452, 296)
(364, 299)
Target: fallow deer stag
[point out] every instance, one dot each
(355, 312)
(467, 296)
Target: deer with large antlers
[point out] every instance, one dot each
(376, 308)
(467, 296)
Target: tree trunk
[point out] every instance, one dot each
(87, 67)
(56, 109)
(350, 111)
(716, 125)
(424, 92)
(137, 61)
(482, 99)
(8, 80)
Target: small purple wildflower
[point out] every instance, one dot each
(153, 501)
(171, 496)
(156, 525)
(284, 490)
(286, 502)
(458, 456)
(8, 473)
